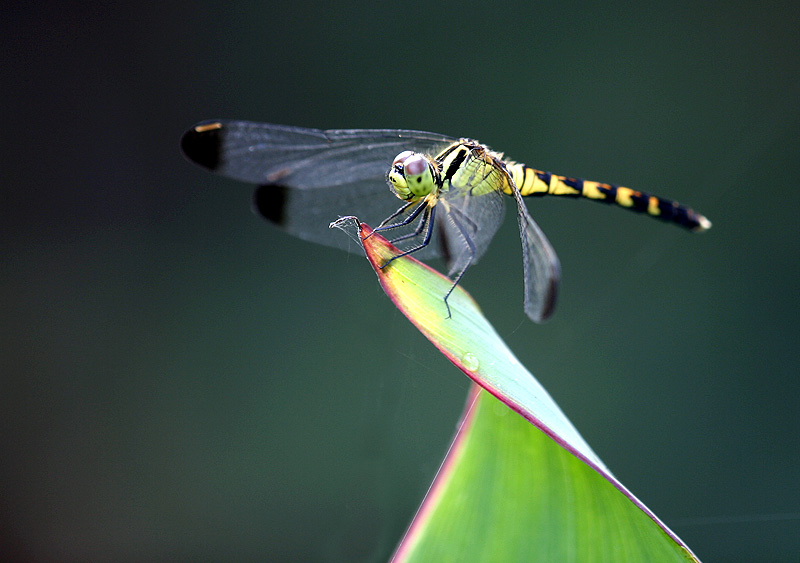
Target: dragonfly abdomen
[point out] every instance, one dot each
(531, 182)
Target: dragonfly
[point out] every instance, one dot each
(453, 192)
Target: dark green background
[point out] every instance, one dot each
(181, 381)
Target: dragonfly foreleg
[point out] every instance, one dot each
(420, 226)
(411, 216)
(427, 221)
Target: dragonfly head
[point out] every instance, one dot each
(411, 176)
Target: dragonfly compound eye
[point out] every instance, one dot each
(410, 176)
(397, 182)
(417, 172)
(400, 158)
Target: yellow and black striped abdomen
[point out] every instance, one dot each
(531, 182)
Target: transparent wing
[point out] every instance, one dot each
(541, 268)
(308, 177)
(474, 208)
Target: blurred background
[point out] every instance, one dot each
(179, 380)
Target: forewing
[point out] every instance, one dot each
(262, 153)
(541, 268)
(308, 177)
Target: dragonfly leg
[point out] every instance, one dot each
(427, 220)
(413, 215)
(422, 224)
(473, 226)
(470, 247)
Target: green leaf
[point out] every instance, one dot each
(518, 484)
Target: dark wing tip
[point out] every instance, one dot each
(549, 303)
(202, 144)
(540, 310)
(269, 201)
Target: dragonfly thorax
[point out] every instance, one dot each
(412, 176)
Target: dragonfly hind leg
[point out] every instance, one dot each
(470, 249)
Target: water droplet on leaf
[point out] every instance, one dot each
(470, 361)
